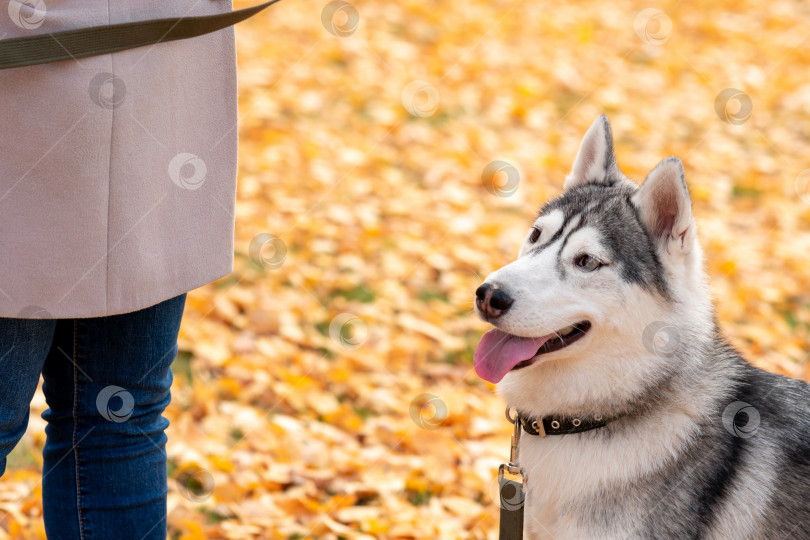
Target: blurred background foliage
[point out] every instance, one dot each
(325, 388)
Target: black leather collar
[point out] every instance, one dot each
(560, 425)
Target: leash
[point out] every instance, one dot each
(512, 489)
(95, 40)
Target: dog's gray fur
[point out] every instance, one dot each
(674, 466)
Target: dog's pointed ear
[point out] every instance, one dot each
(665, 208)
(595, 160)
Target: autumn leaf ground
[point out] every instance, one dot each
(324, 389)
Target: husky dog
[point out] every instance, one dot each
(640, 420)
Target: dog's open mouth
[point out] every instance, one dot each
(562, 338)
(498, 353)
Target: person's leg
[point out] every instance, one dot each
(24, 344)
(105, 460)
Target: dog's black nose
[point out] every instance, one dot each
(491, 301)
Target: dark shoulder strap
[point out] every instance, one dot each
(82, 42)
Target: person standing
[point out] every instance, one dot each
(117, 190)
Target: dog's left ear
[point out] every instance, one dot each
(665, 208)
(595, 160)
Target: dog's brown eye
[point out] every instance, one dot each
(587, 263)
(535, 235)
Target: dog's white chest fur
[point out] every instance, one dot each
(572, 479)
(566, 474)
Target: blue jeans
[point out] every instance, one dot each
(106, 381)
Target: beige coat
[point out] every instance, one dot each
(117, 172)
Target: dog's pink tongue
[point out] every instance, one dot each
(498, 352)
